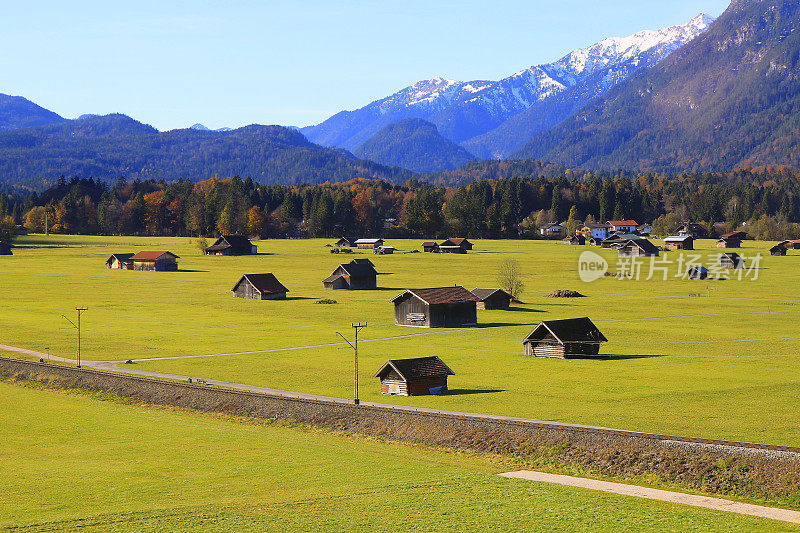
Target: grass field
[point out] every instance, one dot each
(70, 461)
(713, 359)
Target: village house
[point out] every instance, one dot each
(368, 244)
(232, 245)
(637, 248)
(678, 242)
(430, 247)
(352, 276)
(563, 339)
(442, 307)
(644, 229)
(5, 249)
(778, 250)
(691, 229)
(455, 246)
(553, 229)
(596, 231)
(575, 240)
(791, 245)
(259, 287)
(120, 261)
(414, 377)
(492, 299)
(731, 260)
(623, 226)
(159, 261)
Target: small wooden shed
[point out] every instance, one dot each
(731, 260)
(440, 307)
(492, 299)
(159, 261)
(369, 244)
(345, 242)
(778, 250)
(259, 287)
(729, 242)
(5, 249)
(352, 276)
(562, 339)
(575, 240)
(120, 261)
(384, 250)
(414, 377)
(430, 247)
(697, 273)
(637, 248)
(232, 245)
(455, 246)
(679, 242)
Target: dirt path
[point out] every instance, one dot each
(694, 500)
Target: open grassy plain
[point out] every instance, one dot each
(73, 462)
(713, 359)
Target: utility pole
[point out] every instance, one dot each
(356, 327)
(78, 327)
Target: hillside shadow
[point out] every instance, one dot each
(484, 325)
(459, 392)
(524, 310)
(288, 298)
(190, 270)
(619, 357)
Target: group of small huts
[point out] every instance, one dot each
(452, 245)
(156, 261)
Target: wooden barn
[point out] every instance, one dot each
(352, 276)
(430, 247)
(679, 242)
(731, 260)
(384, 250)
(232, 245)
(492, 299)
(259, 287)
(157, 261)
(575, 240)
(697, 273)
(455, 246)
(414, 377)
(5, 249)
(562, 339)
(344, 242)
(442, 307)
(637, 248)
(120, 261)
(369, 244)
(777, 250)
(729, 242)
(735, 235)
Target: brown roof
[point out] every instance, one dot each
(441, 295)
(417, 368)
(622, 223)
(569, 330)
(482, 294)
(151, 256)
(263, 283)
(429, 243)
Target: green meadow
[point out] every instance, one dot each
(713, 359)
(72, 461)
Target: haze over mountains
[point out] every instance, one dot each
(480, 114)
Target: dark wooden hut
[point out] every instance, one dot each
(259, 287)
(120, 261)
(157, 261)
(430, 247)
(352, 276)
(731, 260)
(729, 242)
(562, 339)
(414, 377)
(492, 298)
(442, 307)
(232, 245)
(777, 250)
(637, 248)
(5, 249)
(455, 246)
(384, 250)
(697, 273)
(575, 240)
(344, 242)
(679, 242)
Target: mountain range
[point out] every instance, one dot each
(729, 98)
(496, 118)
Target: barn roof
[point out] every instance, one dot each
(416, 368)
(122, 258)
(363, 261)
(570, 330)
(359, 270)
(643, 244)
(483, 294)
(678, 238)
(152, 256)
(740, 235)
(441, 295)
(368, 241)
(623, 223)
(429, 243)
(263, 283)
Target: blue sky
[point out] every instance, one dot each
(173, 63)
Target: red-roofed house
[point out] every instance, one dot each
(623, 226)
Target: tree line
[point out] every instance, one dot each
(504, 207)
